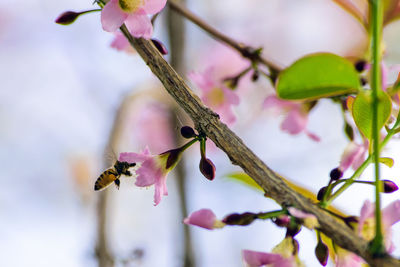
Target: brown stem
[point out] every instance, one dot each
(244, 50)
(208, 122)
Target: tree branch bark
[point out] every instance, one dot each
(208, 122)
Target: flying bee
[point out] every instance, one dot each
(112, 175)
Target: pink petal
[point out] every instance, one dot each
(256, 259)
(120, 43)
(300, 214)
(160, 189)
(203, 80)
(313, 136)
(230, 96)
(351, 154)
(132, 157)
(295, 122)
(139, 26)
(367, 211)
(112, 16)
(226, 114)
(204, 218)
(384, 76)
(347, 259)
(153, 6)
(391, 213)
(148, 173)
(272, 101)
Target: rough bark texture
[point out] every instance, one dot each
(208, 122)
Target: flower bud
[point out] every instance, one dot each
(173, 156)
(255, 76)
(207, 168)
(240, 219)
(293, 229)
(188, 132)
(160, 46)
(67, 17)
(282, 221)
(322, 253)
(321, 193)
(336, 174)
(360, 65)
(389, 186)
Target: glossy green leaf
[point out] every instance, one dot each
(387, 161)
(318, 75)
(362, 111)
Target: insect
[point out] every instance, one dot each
(112, 175)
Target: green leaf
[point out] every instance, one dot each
(387, 161)
(318, 75)
(362, 111)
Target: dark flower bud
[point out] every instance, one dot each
(240, 219)
(255, 76)
(321, 193)
(336, 174)
(350, 221)
(188, 132)
(207, 168)
(389, 186)
(174, 155)
(360, 65)
(293, 229)
(160, 46)
(67, 17)
(322, 253)
(282, 221)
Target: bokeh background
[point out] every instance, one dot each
(61, 88)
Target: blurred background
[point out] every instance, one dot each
(70, 102)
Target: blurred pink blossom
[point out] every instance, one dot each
(215, 94)
(310, 221)
(258, 259)
(134, 13)
(153, 169)
(296, 116)
(353, 155)
(204, 218)
(120, 43)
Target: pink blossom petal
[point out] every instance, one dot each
(203, 80)
(258, 259)
(132, 157)
(384, 76)
(295, 122)
(231, 97)
(300, 214)
(120, 43)
(148, 173)
(367, 211)
(153, 6)
(391, 213)
(350, 155)
(226, 114)
(272, 101)
(160, 189)
(313, 136)
(112, 16)
(204, 218)
(139, 26)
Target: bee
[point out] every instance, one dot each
(112, 175)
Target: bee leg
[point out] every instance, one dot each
(117, 183)
(127, 173)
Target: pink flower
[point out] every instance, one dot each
(153, 169)
(133, 13)
(257, 259)
(296, 115)
(120, 43)
(215, 94)
(366, 229)
(204, 218)
(284, 255)
(353, 155)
